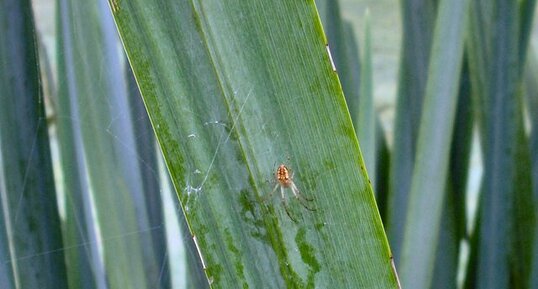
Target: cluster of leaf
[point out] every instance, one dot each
(456, 77)
(233, 88)
(99, 223)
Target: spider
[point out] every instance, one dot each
(284, 178)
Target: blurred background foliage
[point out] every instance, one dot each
(458, 214)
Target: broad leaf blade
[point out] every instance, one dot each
(233, 89)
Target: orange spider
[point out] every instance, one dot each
(284, 181)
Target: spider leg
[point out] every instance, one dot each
(302, 199)
(268, 196)
(298, 194)
(285, 204)
(296, 191)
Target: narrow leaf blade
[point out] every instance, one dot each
(432, 161)
(31, 224)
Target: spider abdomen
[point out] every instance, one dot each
(283, 176)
